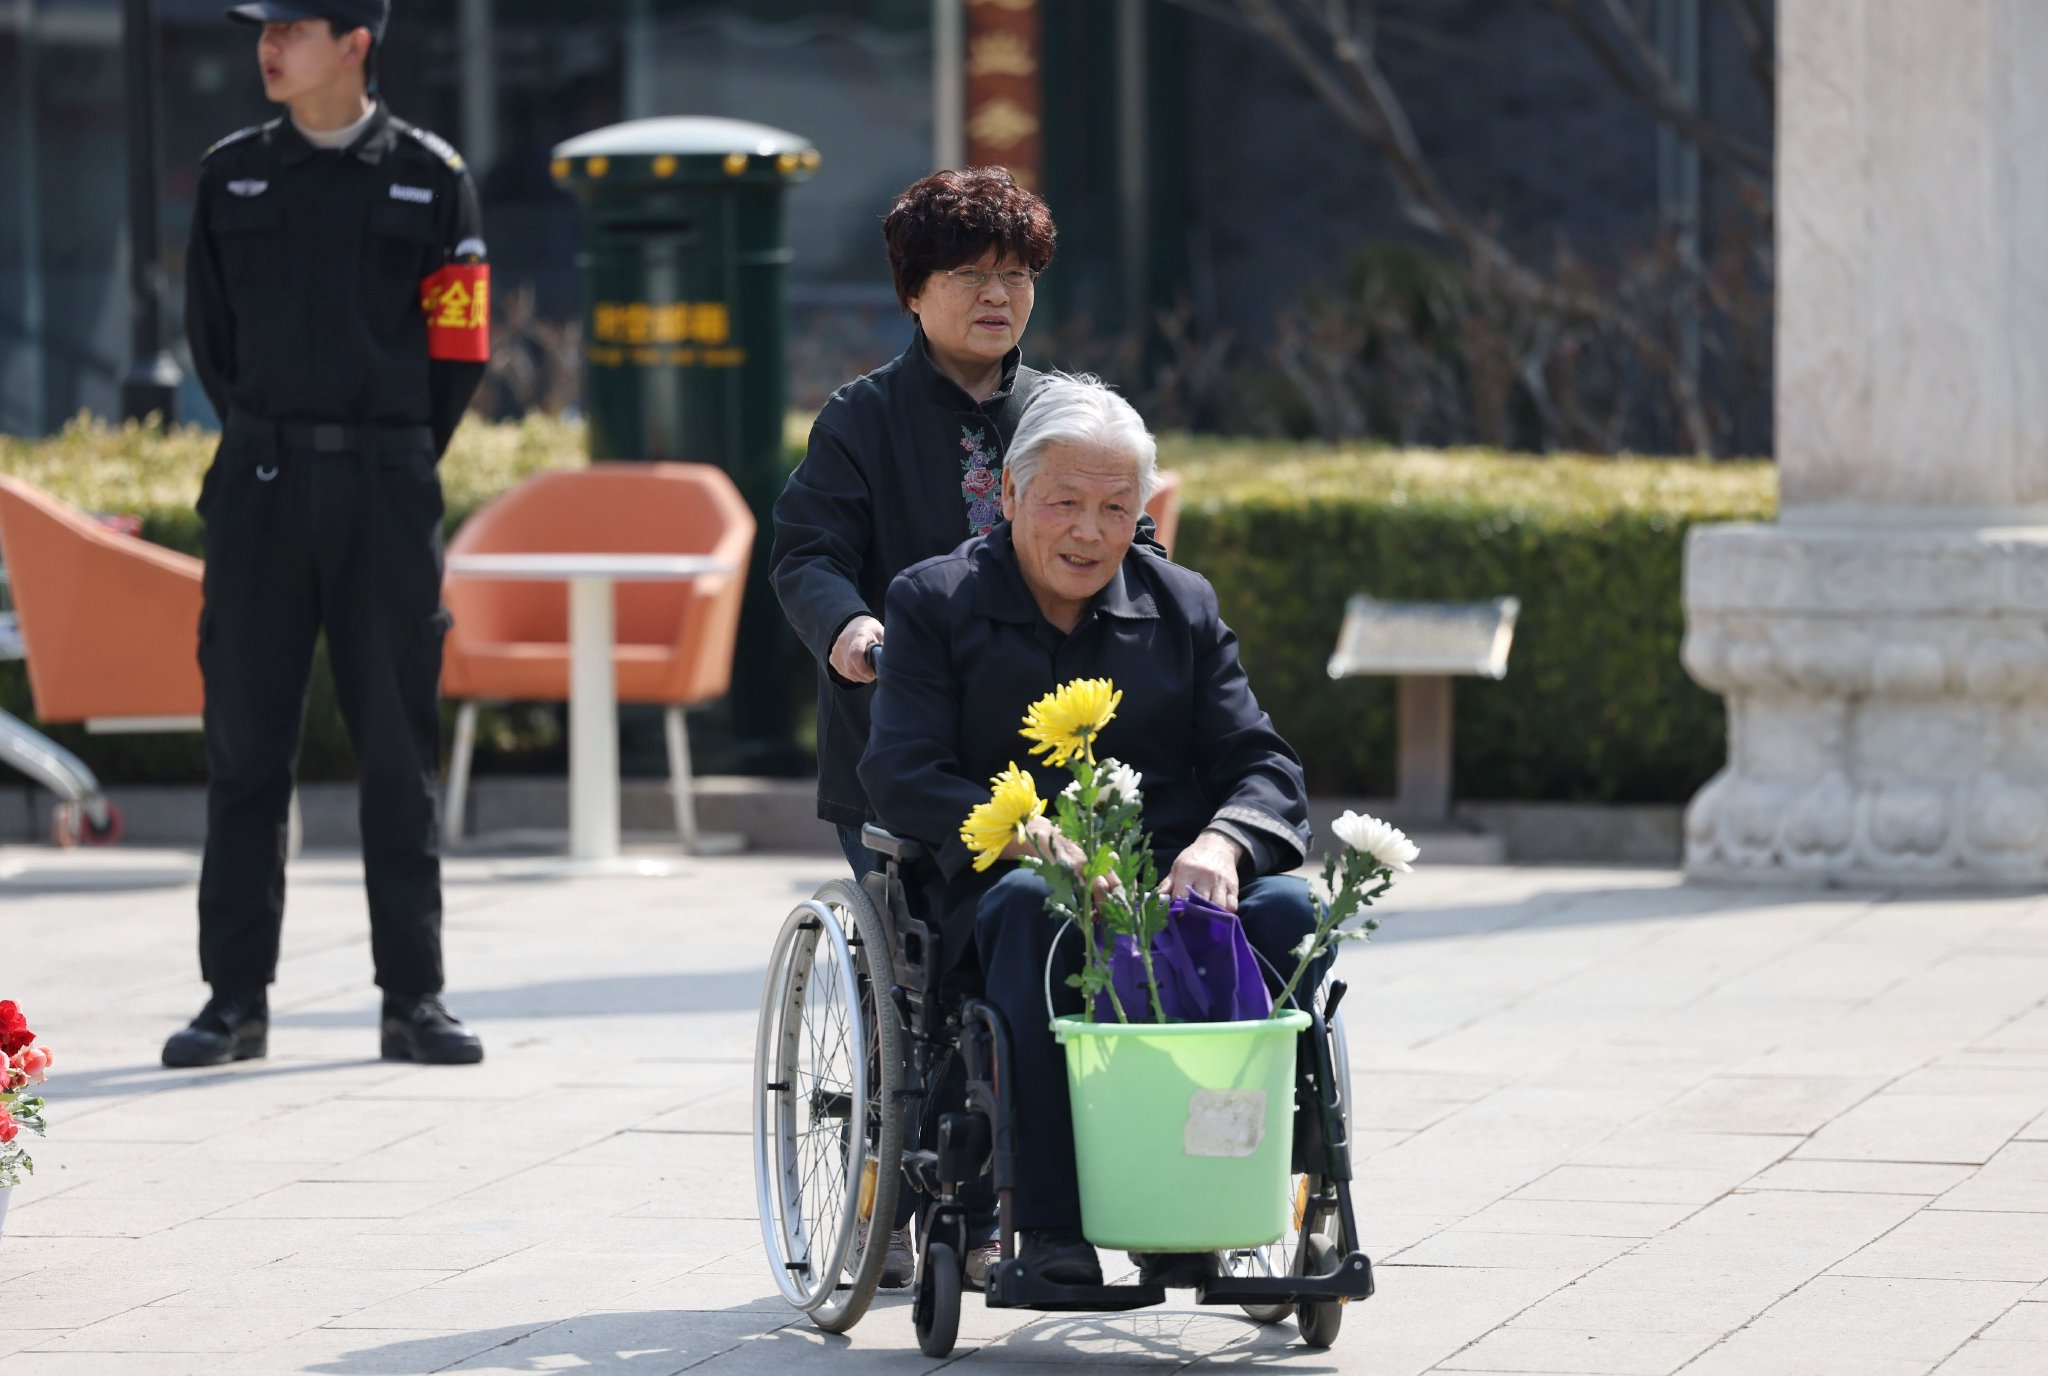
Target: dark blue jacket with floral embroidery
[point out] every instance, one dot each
(969, 651)
(902, 466)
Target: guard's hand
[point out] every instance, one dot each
(850, 651)
(1208, 869)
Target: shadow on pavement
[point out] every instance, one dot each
(646, 1342)
(717, 991)
(152, 1078)
(33, 879)
(1581, 907)
(637, 1343)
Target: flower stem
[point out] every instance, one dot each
(1152, 983)
(1301, 966)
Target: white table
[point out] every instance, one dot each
(593, 687)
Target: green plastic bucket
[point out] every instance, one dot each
(1183, 1132)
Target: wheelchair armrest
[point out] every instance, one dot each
(887, 844)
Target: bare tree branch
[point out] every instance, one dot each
(1753, 26)
(1330, 44)
(1658, 93)
(1370, 105)
(1629, 26)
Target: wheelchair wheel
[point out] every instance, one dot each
(1319, 1320)
(828, 1131)
(937, 1315)
(1305, 1216)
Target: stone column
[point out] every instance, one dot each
(1883, 646)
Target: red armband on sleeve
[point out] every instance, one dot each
(457, 303)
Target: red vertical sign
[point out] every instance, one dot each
(1005, 95)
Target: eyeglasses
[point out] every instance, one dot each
(974, 279)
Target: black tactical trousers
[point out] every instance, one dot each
(313, 528)
(1014, 938)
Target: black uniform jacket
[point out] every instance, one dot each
(968, 652)
(305, 273)
(902, 466)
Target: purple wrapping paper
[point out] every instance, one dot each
(1204, 965)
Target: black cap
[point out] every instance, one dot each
(356, 14)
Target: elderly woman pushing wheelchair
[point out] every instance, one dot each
(1058, 591)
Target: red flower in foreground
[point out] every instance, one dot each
(28, 1067)
(14, 1033)
(9, 1129)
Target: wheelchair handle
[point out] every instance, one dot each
(873, 655)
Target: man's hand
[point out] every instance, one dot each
(850, 651)
(1208, 869)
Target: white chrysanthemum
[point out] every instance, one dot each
(1306, 947)
(1383, 841)
(1115, 782)
(1122, 781)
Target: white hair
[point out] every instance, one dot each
(1081, 409)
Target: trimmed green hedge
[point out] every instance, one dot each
(1595, 706)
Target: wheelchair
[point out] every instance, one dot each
(856, 1036)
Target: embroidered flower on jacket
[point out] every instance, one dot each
(980, 481)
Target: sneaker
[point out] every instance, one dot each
(899, 1266)
(982, 1262)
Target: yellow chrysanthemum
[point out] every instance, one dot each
(992, 825)
(1066, 721)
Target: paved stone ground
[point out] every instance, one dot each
(1607, 1123)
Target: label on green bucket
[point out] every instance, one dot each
(1225, 1122)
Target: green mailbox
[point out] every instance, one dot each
(683, 263)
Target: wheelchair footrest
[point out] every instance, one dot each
(1010, 1286)
(1352, 1280)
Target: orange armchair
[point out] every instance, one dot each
(673, 641)
(111, 623)
(1164, 509)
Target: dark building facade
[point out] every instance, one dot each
(1187, 164)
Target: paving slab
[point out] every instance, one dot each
(1605, 1121)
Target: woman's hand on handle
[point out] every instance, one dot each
(850, 651)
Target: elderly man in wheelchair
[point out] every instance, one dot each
(973, 1101)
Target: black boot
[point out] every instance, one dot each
(1174, 1270)
(418, 1028)
(234, 1026)
(1061, 1256)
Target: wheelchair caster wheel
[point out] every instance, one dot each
(1319, 1320)
(937, 1315)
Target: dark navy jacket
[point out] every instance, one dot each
(902, 466)
(968, 652)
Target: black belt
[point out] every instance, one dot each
(329, 437)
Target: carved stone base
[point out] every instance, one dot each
(1887, 703)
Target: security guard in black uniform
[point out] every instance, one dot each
(338, 305)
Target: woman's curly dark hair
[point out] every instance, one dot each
(952, 218)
